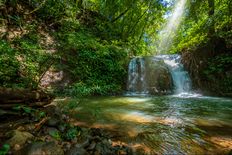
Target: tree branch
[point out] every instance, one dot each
(122, 14)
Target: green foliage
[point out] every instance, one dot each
(96, 65)
(34, 113)
(95, 37)
(130, 20)
(200, 24)
(219, 64)
(9, 64)
(4, 149)
(72, 132)
(70, 105)
(22, 62)
(33, 59)
(53, 11)
(81, 89)
(27, 110)
(218, 71)
(55, 134)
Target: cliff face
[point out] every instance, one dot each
(210, 67)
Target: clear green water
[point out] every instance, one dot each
(160, 125)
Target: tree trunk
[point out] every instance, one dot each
(12, 96)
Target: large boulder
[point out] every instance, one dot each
(41, 148)
(158, 77)
(149, 75)
(18, 138)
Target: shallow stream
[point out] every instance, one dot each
(161, 125)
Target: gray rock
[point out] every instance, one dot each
(67, 146)
(102, 149)
(98, 149)
(158, 77)
(62, 127)
(42, 148)
(91, 146)
(77, 151)
(18, 138)
(150, 75)
(53, 122)
(83, 144)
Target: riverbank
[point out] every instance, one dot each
(51, 131)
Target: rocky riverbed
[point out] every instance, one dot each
(54, 134)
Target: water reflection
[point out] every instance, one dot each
(162, 125)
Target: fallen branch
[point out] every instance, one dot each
(23, 96)
(41, 123)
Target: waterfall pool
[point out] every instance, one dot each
(160, 125)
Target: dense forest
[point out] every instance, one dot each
(88, 43)
(79, 48)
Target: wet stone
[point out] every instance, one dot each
(84, 144)
(53, 122)
(62, 127)
(41, 148)
(91, 146)
(18, 138)
(77, 151)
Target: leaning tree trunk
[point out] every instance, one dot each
(10, 97)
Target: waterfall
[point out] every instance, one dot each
(143, 79)
(136, 76)
(158, 75)
(181, 79)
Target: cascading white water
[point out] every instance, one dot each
(136, 76)
(181, 79)
(141, 82)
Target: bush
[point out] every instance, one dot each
(219, 72)
(81, 89)
(96, 66)
(33, 59)
(9, 70)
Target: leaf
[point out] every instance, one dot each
(4, 149)
(55, 134)
(27, 110)
(72, 133)
(18, 107)
(42, 114)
